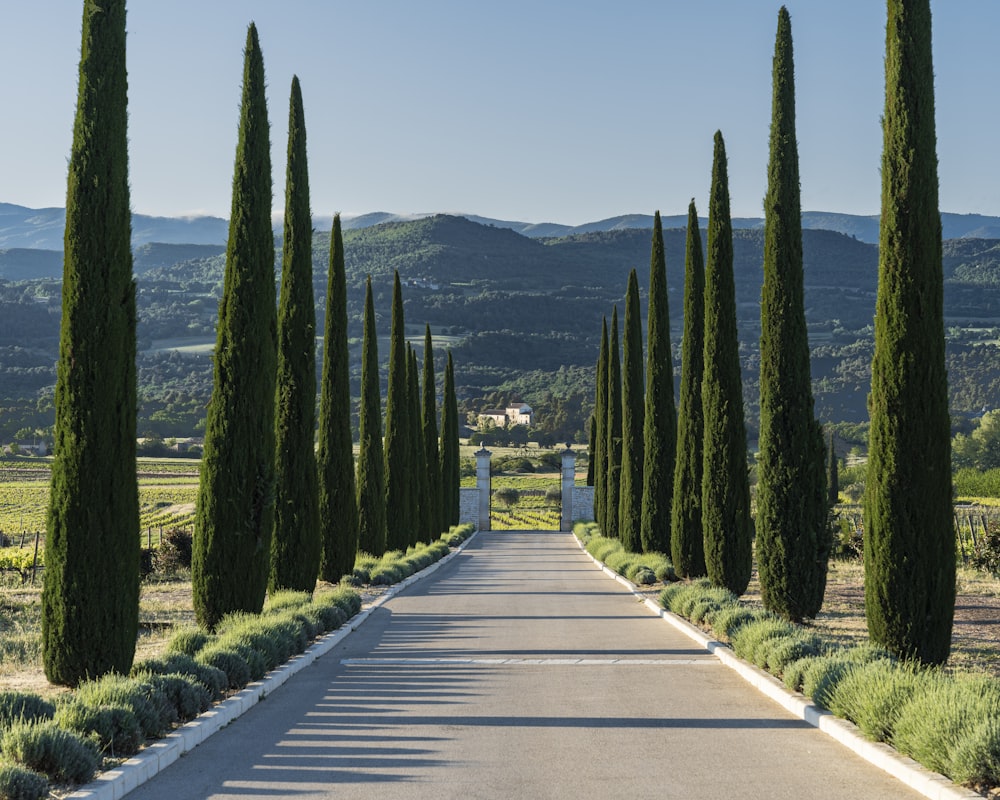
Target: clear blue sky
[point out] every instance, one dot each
(532, 110)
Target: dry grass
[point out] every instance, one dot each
(163, 604)
(974, 647)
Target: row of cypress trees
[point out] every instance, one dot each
(263, 520)
(909, 541)
(662, 484)
(271, 513)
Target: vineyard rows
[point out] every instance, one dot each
(169, 503)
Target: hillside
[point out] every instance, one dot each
(521, 315)
(42, 228)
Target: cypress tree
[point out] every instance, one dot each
(630, 499)
(592, 440)
(295, 545)
(601, 417)
(398, 498)
(791, 488)
(430, 434)
(909, 536)
(725, 493)
(687, 546)
(338, 499)
(419, 480)
(613, 442)
(371, 477)
(234, 518)
(660, 432)
(450, 468)
(832, 477)
(90, 601)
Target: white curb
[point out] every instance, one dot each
(116, 783)
(917, 777)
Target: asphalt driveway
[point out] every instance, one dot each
(518, 670)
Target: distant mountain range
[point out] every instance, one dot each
(42, 228)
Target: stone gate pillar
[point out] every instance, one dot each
(483, 485)
(568, 480)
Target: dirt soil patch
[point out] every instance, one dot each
(975, 638)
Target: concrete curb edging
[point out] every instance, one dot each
(116, 783)
(930, 784)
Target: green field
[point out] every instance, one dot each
(167, 492)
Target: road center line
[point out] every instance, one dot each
(545, 662)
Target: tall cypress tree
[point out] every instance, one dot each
(601, 442)
(791, 488)
(909, 538)
(398, 498)
(338, 498)
(613, 440)
(630, 500)
(295, 546)
(725, 493)
(235, 509)
(430, 433)
(419, 479)
(90, 603)
(450, 468)
(687, 545)
(371, 466)
(660, 432)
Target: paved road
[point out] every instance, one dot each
(518, 670)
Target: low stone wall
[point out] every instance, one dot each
(468, 506)
(583, 503)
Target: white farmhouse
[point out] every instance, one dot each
(516, 413)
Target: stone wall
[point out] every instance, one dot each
(468, 506)
(583, 503)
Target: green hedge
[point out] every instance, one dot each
(21, 783)
(44, 747)
(640, 568)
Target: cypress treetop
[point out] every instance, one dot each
(295, 546)
(234, 517)
(909, 538)
(660, 418)
(687, 548)
(338, 500)
(725, 497)
(90, 600)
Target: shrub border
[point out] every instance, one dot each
(917, 777)
(114, 783)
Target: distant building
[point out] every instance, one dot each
(34, 448)
(516, 413)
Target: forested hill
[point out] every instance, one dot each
(522, 315)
